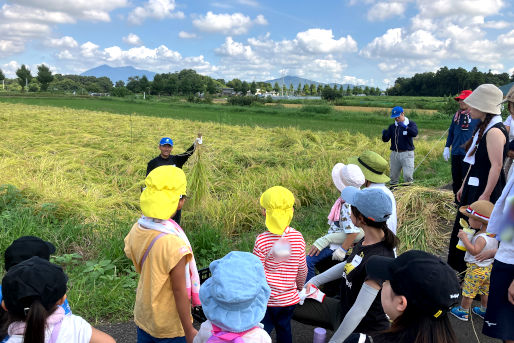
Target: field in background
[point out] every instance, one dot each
(77, 171)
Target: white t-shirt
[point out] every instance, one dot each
(74, 329)
(257, 335)
(508, 122)
(392, 222)
(490, 244)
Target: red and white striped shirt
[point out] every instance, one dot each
(287, 277)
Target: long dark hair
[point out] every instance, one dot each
(415, 326)
(390, 239)
(480, 129)
(35, 321)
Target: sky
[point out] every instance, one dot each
(367, 42)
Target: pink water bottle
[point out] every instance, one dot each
(320, 335)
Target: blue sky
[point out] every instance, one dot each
(368, 42)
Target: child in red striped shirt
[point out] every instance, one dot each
(282, 252)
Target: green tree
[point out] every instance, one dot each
(319, 89)
(348, 91)
(253, 87)
(306, 89)
(284, 90)
(299, 89)
(44, 76)
(291, 89)
(120, 83)
(245, 87)
(24, 76)
(2, 78)
(312, 89)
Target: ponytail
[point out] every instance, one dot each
(36, 323)
(390, 239)
(480, 129)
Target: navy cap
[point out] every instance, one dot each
(373, 203)
(396, 112)
(26, 247)
(33, 279)
(428, 283)
(166, 140)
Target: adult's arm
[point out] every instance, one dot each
(334, 273)
(449, 140)
(412, 129)
(510, 293)
(178, 284)
(386, 134)
(181, 159)
(495, 143)
(367, 295)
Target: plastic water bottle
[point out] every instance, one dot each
(320, 335)
(470, 232)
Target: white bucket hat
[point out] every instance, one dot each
(347, 175)
(486, 98)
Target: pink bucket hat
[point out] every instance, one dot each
(347, 175)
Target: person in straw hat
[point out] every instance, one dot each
(485, 153)
(460, 131)
(374, 168)
(342, 234)
(160, 251)
(509, 99)
(478, 273)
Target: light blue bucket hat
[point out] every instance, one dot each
(235, 297)
(373, 203)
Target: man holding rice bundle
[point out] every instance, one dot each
(165, 158)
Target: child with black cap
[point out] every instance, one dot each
(33, 291)
(417, 293)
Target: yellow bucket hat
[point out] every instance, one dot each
(278, 202)
(164, 186)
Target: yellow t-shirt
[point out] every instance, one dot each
(155, 311)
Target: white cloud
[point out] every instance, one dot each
(10, 68)
(17, 12)
(322, 41)
(89, 50)
(507, 39)
(154, 9)
(230, 24)
(499, 25)
(132, 39)
(251, 3)
(186, 35)
(63, 42)
(468, 8)
(385, 10)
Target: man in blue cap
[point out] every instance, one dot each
(167, 159)
(402, 148)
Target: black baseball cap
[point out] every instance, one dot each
(428, 283)
(33, 279)
(26, 247)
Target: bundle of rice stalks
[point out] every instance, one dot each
(425, 218)
(198, 180)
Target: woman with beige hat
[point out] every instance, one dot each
(509, 99)
(485, 153)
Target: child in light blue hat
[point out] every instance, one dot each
(234, 300)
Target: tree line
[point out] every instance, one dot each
(446, 82)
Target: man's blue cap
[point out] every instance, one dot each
(396, 112)
(373, 203)
(166, 140)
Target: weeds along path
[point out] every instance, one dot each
(80, 172)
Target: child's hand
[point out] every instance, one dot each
(313, 251)
(462, 235)
(191, 334)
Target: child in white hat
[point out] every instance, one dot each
(342, 233)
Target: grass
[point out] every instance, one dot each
(76, 177)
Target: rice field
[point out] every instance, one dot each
(88, 166)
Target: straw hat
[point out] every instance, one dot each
(509, 96)
(347, 175)
(486, 98)
(480, 210)
(278, 202)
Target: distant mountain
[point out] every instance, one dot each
(505, 88)
(295, 80)
(118, 73)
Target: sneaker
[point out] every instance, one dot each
(459, 313)
(478, 311)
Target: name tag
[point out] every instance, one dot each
(352, 265)
(473, 181)
(405, 133)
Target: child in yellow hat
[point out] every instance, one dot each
(281, 250)
(478, 273)
(161, 253)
